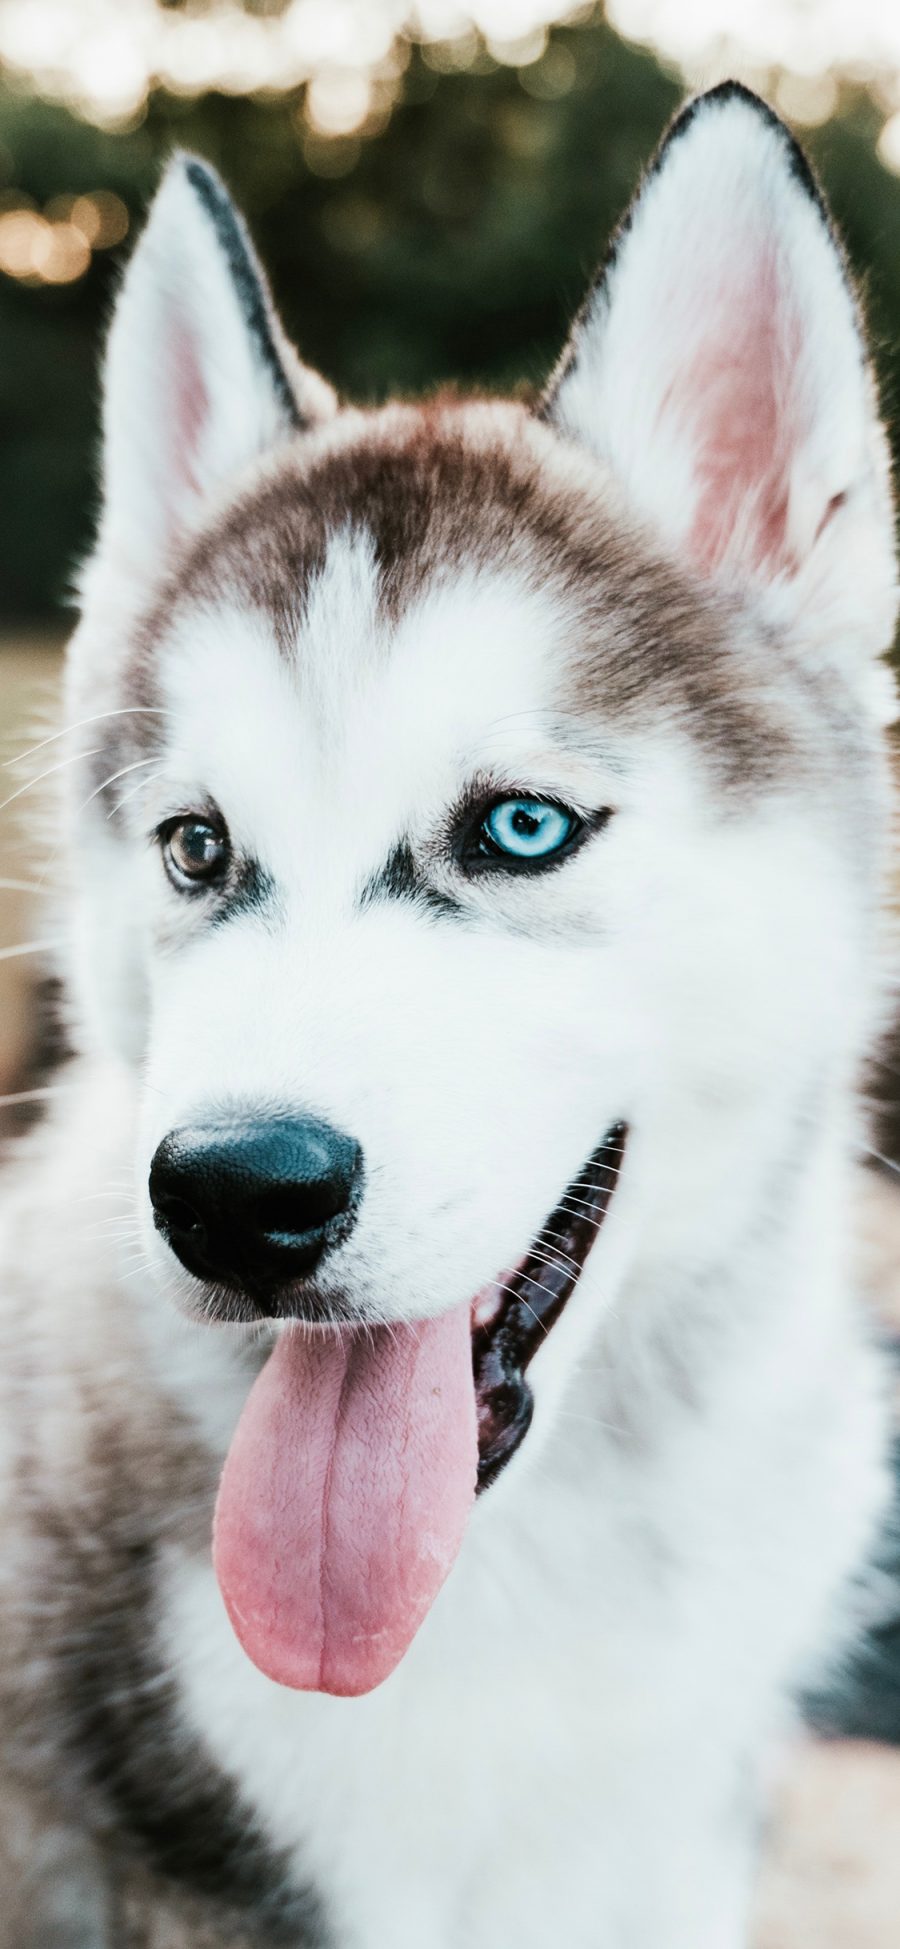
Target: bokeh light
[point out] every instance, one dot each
(856, 38)
(103, 57)
(55, 246)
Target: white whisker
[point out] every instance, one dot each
(30, 783)
(879, 1157)
(138, 764)
(98, 717)
(36, 1095)
(28, 947)
(128, 796)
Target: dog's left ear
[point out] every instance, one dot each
(199, 379)
(719, 368)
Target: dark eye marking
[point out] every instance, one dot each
(401, 878)
(522, 832)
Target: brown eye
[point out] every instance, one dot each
(194, 850)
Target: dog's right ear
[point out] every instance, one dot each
(200, 378)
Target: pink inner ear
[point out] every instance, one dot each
(740, 400)
(190, 411)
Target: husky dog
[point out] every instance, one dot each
(429, 1489)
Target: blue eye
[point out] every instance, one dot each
(527, 829)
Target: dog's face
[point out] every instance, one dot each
(486, 812)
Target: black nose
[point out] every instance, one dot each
(254, 1203)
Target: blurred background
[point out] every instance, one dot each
(431, 187)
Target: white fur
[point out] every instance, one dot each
(586, 1699)
(573, 1749)
(679, 319)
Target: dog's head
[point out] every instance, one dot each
(482, 832)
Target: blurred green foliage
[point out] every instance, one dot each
(455, 246)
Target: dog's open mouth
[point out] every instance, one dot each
(352, 1472)
(511, 1321)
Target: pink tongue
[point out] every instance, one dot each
(344, 1498)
